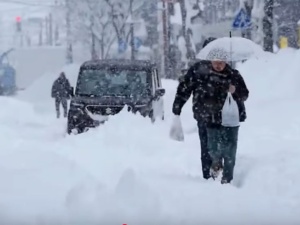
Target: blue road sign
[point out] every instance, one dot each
(122, 46)
(137, 43)
(242, 20)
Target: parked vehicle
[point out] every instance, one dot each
(105, 87)
(7, 75)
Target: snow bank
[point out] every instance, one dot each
(27, 178)
(273, 77)
(131, 200)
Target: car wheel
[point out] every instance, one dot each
(151, 115)
(163, 116)
(70, 127)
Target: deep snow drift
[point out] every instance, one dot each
(129, 171)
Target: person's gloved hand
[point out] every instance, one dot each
(176, 110)
(232, 88)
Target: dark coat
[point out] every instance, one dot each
(61, 88)
(209, 89)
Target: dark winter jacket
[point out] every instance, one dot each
(209, 89)
(61, 88)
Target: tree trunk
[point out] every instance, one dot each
(248, 7)
(268, 25)
(190, 53)
(102, 47)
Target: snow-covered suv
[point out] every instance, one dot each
(105, 87)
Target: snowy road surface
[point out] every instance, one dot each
(129, 171)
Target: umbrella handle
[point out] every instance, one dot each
(230, 35)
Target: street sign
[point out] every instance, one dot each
(137, 43)
(242, 20)
(122, 46)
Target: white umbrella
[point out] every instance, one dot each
(230, 49)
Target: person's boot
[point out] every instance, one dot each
(216, 169)
(225, 181)
(57, 115)
(207, 176)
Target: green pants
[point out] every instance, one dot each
(222, 144)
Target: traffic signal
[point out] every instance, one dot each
(18, 24)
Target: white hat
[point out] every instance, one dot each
(218, 54)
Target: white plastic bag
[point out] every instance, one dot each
(230, 112)
(176, 132)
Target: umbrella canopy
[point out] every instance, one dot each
(230, 49)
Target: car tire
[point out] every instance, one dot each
(70, 126)
(151, 115)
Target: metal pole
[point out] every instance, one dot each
(231, 62)
(165, 38)
(169, 35)
(132, 42)
(132, 33)
(93, 46)
(50, 29)
(69, 54)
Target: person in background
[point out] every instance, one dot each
(61, 92)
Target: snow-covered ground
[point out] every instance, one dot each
(129, 171)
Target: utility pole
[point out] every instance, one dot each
(69, 51)
(19, 30)
(170, 67)
(47, 30)
(50, 29)
(56, 26)
(93, 46)
(268, 25)
(132, 33)
(165, 38)
(41, 34)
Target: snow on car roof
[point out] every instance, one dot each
(123, 63)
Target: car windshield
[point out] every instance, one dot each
(113, 82)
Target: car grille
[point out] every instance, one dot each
(104, 110)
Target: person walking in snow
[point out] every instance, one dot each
(61, 93)
(210, 82)
(184, 91)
